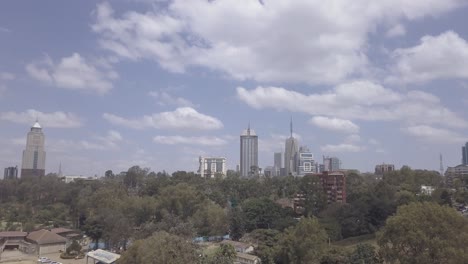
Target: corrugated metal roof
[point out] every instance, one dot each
(103, 256)
(13, 234)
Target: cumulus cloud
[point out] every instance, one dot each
(435, 135)
(224, 35)
(335, 124)
(164, 99)
(54, 119)
(341, 148)
(203, 141)
(74, 73)
(183, 118)
(358, 100)
(436, 57)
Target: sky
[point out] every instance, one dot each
(158, 83)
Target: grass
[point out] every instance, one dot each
(352, 242)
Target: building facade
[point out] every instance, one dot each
(465, 154)
(456, 174)
(381, 169)
(278, 163)
(209, 167)
(306, 163)
(34, 155)
(331, 164)
(248, 153)
(290, 154)
(334, 185)
(10, 173)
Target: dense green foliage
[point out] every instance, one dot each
(425, 233)
(141, 208)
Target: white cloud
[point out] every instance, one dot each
(358, 100)
(53, 119)
(335, 124)
(183, 118)
(342, 148)
(435, 135)
(164, 98)
(436, 57)
(74, 73)
(352, 138)
(203, 141)
(396, 31)
(224, 35)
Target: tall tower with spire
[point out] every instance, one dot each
(248, 153)
(291, 152)
(34, 156)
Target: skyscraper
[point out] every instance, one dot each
(277, 163)
(331, 163)
(248, 153)
(11, 173)
(306, 163)
(290, 154)
(34, 156)
(465, 154)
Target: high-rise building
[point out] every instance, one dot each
(306, 163)
(465, 154)
(381, 169)
(290, 154)
(11, 173)
(278, 164)
(34, 156)
(331, 164)
(248, 153)
(209, 167)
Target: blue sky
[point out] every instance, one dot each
(158, 83)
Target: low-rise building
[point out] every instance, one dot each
(72, 178)
(242, 258)
(43, 242)
(102, 256)
(427, 190)
(239, 246)
(11, 239)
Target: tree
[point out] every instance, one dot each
(260, 213)
(267, 241)
(424, 233)
(304, 243)
(225, 254)
(236, 223)
(210, 220)
(364, 254)
(314, 194)
(161, 247)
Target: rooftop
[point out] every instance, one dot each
(103, 256)
(13, 234)
(43, 236)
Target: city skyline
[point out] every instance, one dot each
(160, 83)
